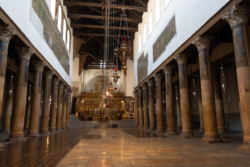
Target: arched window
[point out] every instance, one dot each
(144, 34)
(166, 3)
(59, 21)
(68, 39)
(150, 24)
(64, 30)
(157, 11)
(53, 8)
(139, 43)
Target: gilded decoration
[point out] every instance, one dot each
(142, 67)
(164, 39)
(51, 34)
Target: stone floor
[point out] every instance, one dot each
(120, 148)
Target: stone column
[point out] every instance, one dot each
(19, 105)
(178, 108)
(219, 103)
(64, 107)
(69, 106)
(136, 109)
(238, 20)
(27, 115)
(6, 33)
(145, 106)
(151, 105)
(36, 98)
(54, 106)
(59, 109)
(46, 103)
(200, 107)
(159, 108)
(184, 97)
(169, 99)
(8, 111)
(207, 92)
(140, 108)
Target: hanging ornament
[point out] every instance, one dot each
(107, 105)
(29, 93)
(115, 88)
(223, 80)
(10, 86)
(110, 83)
(115, 69)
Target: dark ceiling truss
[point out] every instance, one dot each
(89, 20)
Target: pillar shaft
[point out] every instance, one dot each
(151, 105)
(69, 106)
(136, 109)
(64, 108)
(207, 92)
(36, 98)
(59, 109)
(184, 97)
(27, 115)
(238, 19)
(19, 105)
(6, 33)
(46, 102)
(54, 106)
(145, 106)
(178, 108)
(169, 100)
(159, 108)
(200, 107)
(140, 109)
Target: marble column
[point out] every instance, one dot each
(68, 106)
(145, 106)
(237, 17)
(6, 33)
(46, 103)
(151, 105)
(8, 111)
(169, 99)
(64, 108)
(140, 108)
(219, 104)
(159, 108)
(19, 104)
(59, 109)
(54, 106)
(207, 92)
(36, 98)
(28, 107)
(184, 96)
(178, 108)
(136, 109)
(200, 107)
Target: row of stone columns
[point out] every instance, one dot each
(210, 105)
(61, 98)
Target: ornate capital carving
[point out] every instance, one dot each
(56, 80)
(144, 86)
(168, 69)
(238, 14)
(48, 74)
(6, 32)
(140, 90)
(181, 58)
(202, 41)
(150, 82)
(157, 77)
(61, 85)
(25, 52)
(39, 65)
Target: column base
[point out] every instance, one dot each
(17, 139)
(244, 147)
(63, 128)
(179, 127)
(187, 135)
(160, 131)
(58, 129)
(44, 132)
(145, 128)
(201, 130)
(152, 129)
(5, 131)
(222, 131)
(33, 134)
(170, 133)
(52, 131)
(211, 140)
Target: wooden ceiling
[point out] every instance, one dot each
(89, 19)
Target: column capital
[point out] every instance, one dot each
(6, 32)
(150, 82)
(181, 58)
(56, 80)
(238, 14)
(65, 89)
(157, 76)
(39, 65)
(25, 52)
(61, 85)
(135, 92)
(144, 86)
(48, 74)
(168, 69)
(140, 90)
(69, 91)
(202, 41)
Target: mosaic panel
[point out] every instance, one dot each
(51, 33)
(142, 68)
(163, 40)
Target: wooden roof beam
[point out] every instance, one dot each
(98, 35)
(102, 27)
